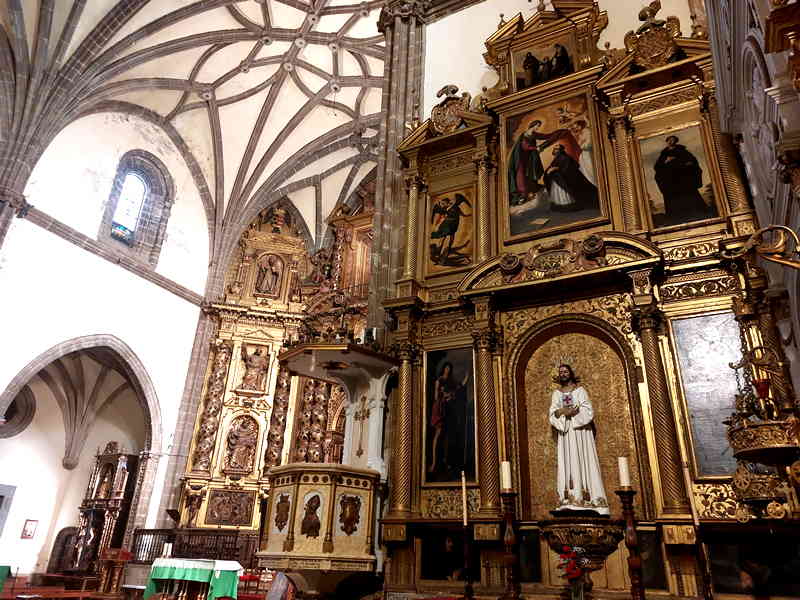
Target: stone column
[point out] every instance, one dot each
(647, 321)
(483, 164)
(485, 340)
(415, 185)
(401, 22)
(402, 463)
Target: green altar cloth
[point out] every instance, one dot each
(222, 576)
(4, 573)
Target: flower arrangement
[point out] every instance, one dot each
(574, 563)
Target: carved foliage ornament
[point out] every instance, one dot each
(696, 289)
(445, 503)
(715, 501)
(209, 421)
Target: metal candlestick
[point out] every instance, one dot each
(626, 495)
(511, 558)
(469, 593)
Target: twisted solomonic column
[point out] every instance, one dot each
(402, 455)
(485, 341)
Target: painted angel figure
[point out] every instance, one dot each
(579, 483)
(446, 217)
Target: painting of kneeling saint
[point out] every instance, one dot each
(451, 230)
(677, 177)
(550, 167)
(450, 431)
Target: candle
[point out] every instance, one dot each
(464, 497)
(505, 475)
(624, 472)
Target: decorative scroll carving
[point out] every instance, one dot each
(446, 116)
(449, 327)
(720, 286)
(230, 507)
(677, 97)
(445, 503)
(209, 420)
(282, 507)
(350, 515)
(696, 250)
(241, 445)
(277, 422)
(653, 44)
(443, 295)
(449, 163)
(715, 501)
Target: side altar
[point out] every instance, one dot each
(585, 212)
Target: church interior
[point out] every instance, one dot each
(399, 299)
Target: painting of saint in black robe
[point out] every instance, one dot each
(543, 64)
(568, 187)
(450, 246)
(679, 178)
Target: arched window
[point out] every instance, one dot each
(137, 211)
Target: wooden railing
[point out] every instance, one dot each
(219, 544)
(148, 544)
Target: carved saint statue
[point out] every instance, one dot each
(242, 438)
(580, 486)
(256, 365)
(270, 269)
(310, 525)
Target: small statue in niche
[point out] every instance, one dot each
(106, 481)
(242, 439)
(282, 511)
(350, 515)
(256, 366)
(579, 482)
(310, 525)
(270, 270)
(194, 498)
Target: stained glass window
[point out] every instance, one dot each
(129, 206)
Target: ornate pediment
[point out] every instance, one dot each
(563, 258)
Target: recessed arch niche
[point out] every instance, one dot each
(585, 342)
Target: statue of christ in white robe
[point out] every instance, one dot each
(580, 486)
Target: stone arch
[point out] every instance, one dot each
(134, 370)
(516, 406)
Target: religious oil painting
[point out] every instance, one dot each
(543, 62)
(705, 345)
(677, 178)
(550, 176)
(442, 556)
(450, 416)
(450, 235)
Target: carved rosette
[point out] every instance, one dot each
(209, 420)
(277, 422)
(598, 540)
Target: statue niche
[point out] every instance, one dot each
(546, 459)
(241, 445)
(269, 275)
(256, 366)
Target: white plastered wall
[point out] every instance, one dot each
(73, 179)
(45, 490)
(62, 292)
(463, 35)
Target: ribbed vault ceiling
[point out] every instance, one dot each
(264, 97)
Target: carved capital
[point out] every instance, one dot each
(789, 169)
(647, 318)
(485, 339)
(405, 10)
(15, 200)
(642, 285)
(483, 161)
(414, 180)
(620, 125)
(407, 351)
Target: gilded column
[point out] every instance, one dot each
(647, 321)
(402, 463)
(277, 421)
(771, 339)
(737, 197)
(414, 183)
(209, 420)
(484, 222)
(621, 130)
(485, 342)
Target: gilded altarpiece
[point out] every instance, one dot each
(603, 290)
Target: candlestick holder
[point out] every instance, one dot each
(469, 593)
(626, 495)
(511, 558)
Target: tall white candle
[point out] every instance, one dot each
(464, 497)
(505, 475)
(624, 472)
